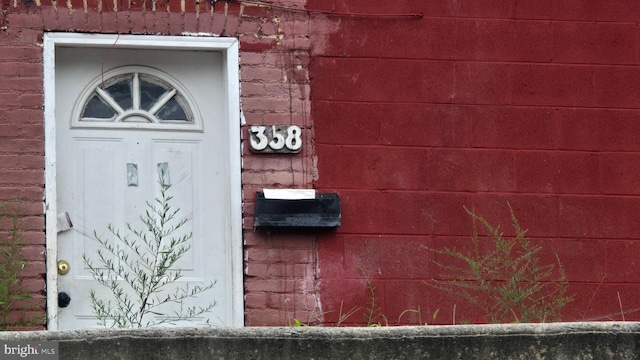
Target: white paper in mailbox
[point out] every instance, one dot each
(289, 194)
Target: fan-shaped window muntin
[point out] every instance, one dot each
(135, 97)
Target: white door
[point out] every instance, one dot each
(125, 120)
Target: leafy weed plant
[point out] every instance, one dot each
(137, 269)
(507, 280)
(12, 263)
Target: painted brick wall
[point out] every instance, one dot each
(274, 44)
(411, 110)
(21, 153)
(476, 103)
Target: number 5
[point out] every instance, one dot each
(278, 140)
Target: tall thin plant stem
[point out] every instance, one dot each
(137, 269)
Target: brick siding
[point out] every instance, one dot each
(274, 59)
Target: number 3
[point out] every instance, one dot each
(259, 133)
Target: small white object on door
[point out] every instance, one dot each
(64, 222)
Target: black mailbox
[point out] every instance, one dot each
(322, 212)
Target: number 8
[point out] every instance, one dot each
(294, 142)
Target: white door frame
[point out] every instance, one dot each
(230, 49)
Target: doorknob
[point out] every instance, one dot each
(63, 267)
(63, 299)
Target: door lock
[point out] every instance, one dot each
(63, 299)
(63, 267)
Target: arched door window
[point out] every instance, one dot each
(136, 97)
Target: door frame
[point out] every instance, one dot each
(229, 47)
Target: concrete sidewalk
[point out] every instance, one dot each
(605, 340)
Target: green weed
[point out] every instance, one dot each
(507, 280)
(136, 268)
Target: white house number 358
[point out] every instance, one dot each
(276, 138)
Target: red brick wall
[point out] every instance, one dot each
(22, 147)
(274, 50)
(411, 110)
(477, 103)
